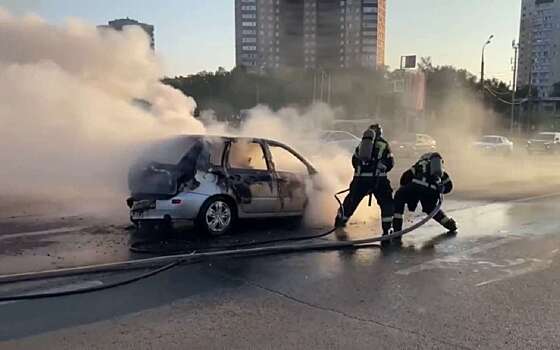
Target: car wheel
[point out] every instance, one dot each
(216, 217)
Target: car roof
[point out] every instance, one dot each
(225, 137)
(252, 139)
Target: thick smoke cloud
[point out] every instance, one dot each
(67, 111)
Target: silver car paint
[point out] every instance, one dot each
(192, 200)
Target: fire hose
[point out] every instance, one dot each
(164, 263)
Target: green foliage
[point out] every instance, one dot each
(361, 92)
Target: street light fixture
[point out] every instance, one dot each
(488, 42)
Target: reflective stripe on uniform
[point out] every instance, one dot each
(382, 146)
(387, 219)
(444, 220)
(398, 216)
(446, 181)
(424, 183)
(370, 174)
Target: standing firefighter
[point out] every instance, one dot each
(372, 160)
(423, 183)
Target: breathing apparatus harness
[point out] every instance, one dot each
(367, 158)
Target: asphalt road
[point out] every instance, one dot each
(492, 286)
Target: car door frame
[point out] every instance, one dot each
(310, 171)
(258, 205)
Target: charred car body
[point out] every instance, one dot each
(211, 181)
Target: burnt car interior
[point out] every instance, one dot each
(264, 176)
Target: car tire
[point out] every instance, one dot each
(216, 216)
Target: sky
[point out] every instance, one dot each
(196, 35)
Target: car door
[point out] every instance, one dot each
(291, 174)
(251, 177)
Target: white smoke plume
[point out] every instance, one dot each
(69, 126)
(301, 129)
(67, 111)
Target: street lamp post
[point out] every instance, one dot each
(482, 63)
(515, 47)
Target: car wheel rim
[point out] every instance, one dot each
(218, 216)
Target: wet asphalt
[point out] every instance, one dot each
(494, 285)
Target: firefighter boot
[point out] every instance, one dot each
(386, 242)
(450, 225)
(340, 221)
(397, 226)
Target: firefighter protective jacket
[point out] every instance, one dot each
(420, 174)
(381, 163)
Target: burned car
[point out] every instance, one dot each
(211, 181)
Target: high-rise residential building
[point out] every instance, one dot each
(539, 45)
(119, 24)
(312, 34)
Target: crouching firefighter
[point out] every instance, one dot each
(372, 160)
(424, 183)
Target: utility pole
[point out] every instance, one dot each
(329, 94)
(482, 63)
(314, 85)
(515, 47)
(530, 96)
(322, 85)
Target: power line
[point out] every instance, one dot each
(501, 99)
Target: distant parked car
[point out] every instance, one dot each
(494, 144)
(212, 181)
(342, 139)
(544, 142)
(413, 145)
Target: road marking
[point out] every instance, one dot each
(42, 232)
(543, 196)
(460, 257)
(536, 265)
(455, 259)
(61, 289)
